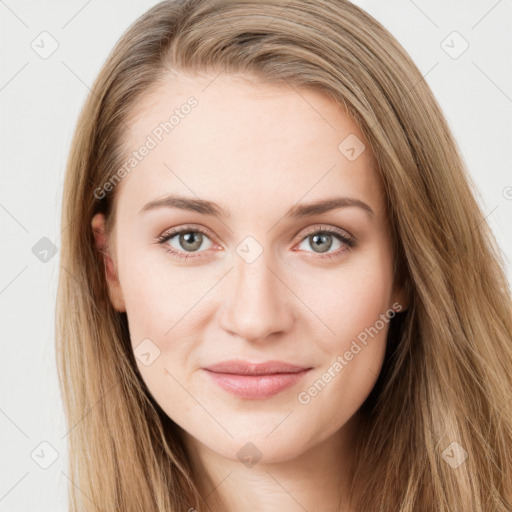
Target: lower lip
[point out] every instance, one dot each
(256, 386)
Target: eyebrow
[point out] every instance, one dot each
(297, 211)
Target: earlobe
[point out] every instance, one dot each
(101, 244)
(400, 302)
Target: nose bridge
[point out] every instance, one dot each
(257, 302)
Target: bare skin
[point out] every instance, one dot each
(256, 151)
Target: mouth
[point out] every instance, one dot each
(255, 381)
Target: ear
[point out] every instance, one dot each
(400, 298)
(101, 244)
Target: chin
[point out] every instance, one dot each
(256, 447)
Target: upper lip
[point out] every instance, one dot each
(240, 367)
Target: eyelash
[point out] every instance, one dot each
(349, 241)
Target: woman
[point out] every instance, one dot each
(347, 345)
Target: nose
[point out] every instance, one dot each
(258, 302)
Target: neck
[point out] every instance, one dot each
(317, 479)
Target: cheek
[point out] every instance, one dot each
(157, 293)
(350, 298)
(156, 305)
(358, 313)
(345, 301)
(163, 306)
(354, 302)
(170, 305)
(358, 306)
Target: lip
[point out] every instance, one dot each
(240, 367)
(255, 380)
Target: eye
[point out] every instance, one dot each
(322, 240)
(185, 240)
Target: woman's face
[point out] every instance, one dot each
(254, 276)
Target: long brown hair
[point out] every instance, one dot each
(445, 389)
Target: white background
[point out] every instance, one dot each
(40, 100)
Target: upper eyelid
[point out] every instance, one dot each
(327, 228)
(173, 232)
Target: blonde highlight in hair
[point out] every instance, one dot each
(447, 374)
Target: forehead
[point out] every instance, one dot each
(231, 138)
